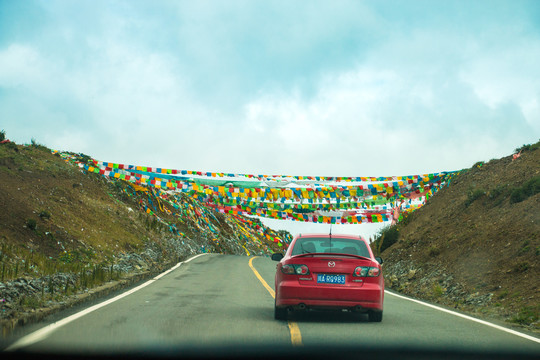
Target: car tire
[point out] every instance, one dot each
(375, 316)
(280, 313)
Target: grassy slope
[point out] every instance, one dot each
(471, 236)
(54, 218)
(78, 212)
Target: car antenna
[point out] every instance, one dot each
(330, 236)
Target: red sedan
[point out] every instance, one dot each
(321, 271)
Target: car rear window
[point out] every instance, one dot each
(327, 245)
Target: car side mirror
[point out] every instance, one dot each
(277, 256)
(379, 259)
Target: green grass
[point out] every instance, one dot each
(39, 146)
(528, 147)
(31, 224)
(434, 251)
(30, 302)
(45, 214)
(525, 247)
(385, 238)
(478, 164)
(437, 291)
(406, 218)
(473, 195)
(497, 191)
(515, 294)
(521, 267)
(527, 315)
(528, 189)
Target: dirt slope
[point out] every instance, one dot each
(475, 245)
(64, 231)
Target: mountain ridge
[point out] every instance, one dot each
(65, 232)
(475, 245)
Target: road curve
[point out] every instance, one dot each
(218, 300)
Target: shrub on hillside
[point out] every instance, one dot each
(499, 190)
(11, 145)
(521, 267)
(517, 196)
(530, 188)
(406, 218)
(39, 146)
(498, 194)
(478, 164)
(44, 214)
(31, 224)
(434, 251)
(473, 195)
(2, 135)
(385, 238)
(528, 147)
(527, 315)
(437, 291)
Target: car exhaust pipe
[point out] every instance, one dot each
(302, 306)
(359, 308)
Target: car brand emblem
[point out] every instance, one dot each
(331, 264)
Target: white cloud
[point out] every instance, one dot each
(392, 120)
(21, 67)
(508, 74)
(342, 90)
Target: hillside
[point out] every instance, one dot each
(67, 234)
(64, 232)
(475, 245)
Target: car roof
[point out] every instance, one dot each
(336, 236)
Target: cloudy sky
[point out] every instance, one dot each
(342, 88)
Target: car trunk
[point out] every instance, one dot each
(323, 269)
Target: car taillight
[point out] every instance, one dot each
(292, 269)
(374, 271)
(287, 269)
(302, 270)
(360, 271)
(366, 271)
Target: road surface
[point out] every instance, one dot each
(216, 300)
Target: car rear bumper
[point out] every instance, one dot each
(292, 294)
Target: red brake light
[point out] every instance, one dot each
(365, 271)
(302, 270)
(360, 271)
(374, 271)
(291, 269)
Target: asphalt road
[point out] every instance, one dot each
(217, 300)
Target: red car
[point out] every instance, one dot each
(322, 271)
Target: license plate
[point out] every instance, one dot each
(330, 279)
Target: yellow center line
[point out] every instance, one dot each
(296, 336)
(270, 290)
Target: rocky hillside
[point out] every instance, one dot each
(64, 232)
(475, 245)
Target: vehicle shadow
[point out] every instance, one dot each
(319, 316)
(258, 313)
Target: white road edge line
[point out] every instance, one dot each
(42, 333)
(517, 333)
